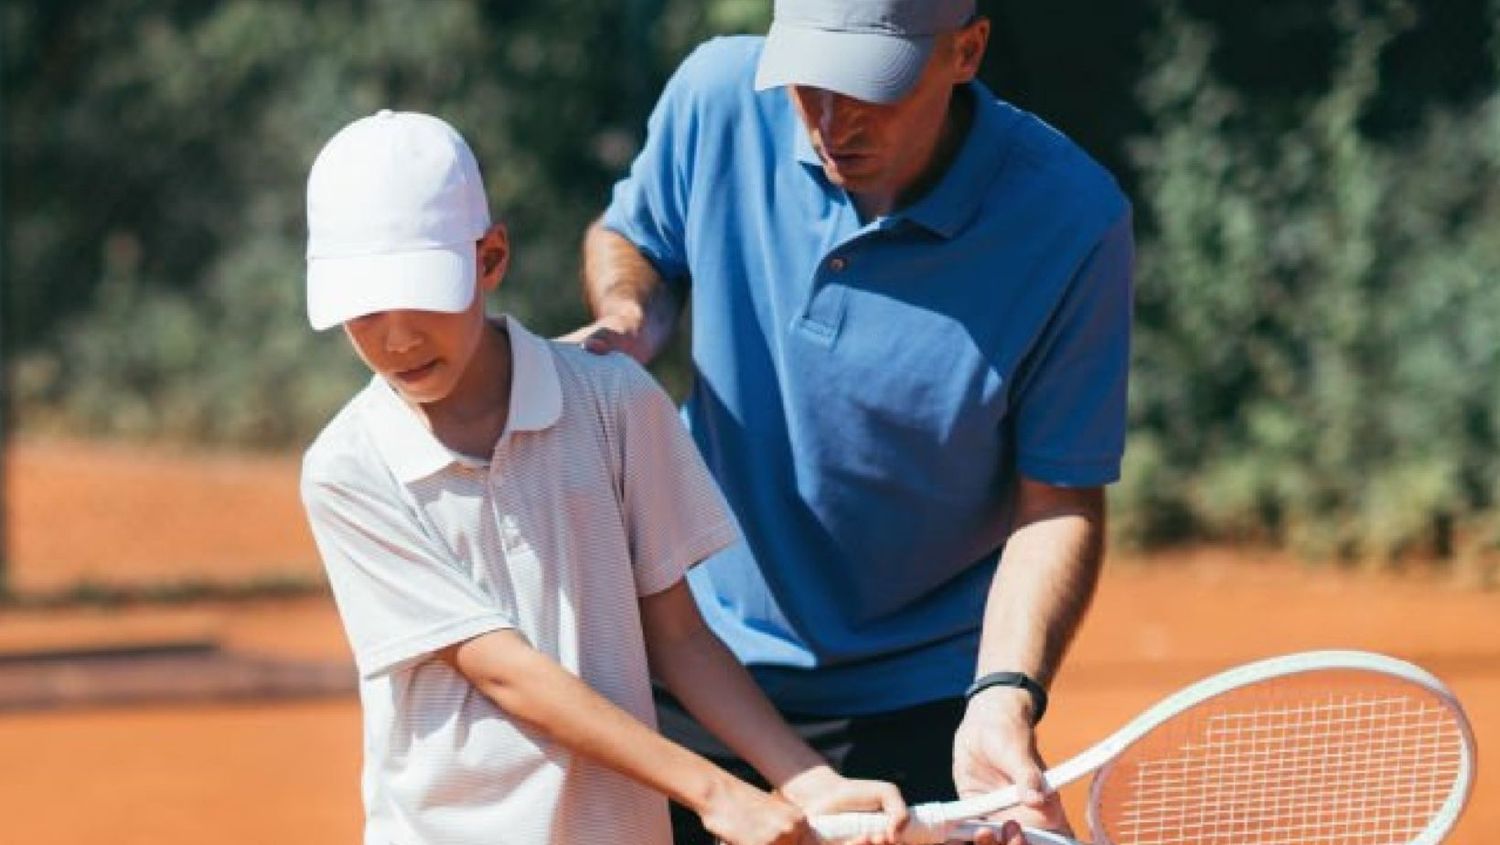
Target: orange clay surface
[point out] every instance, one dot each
(287, 772)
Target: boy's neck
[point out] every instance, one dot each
(471, 419)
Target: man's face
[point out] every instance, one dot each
(423, 354)
(883, 149)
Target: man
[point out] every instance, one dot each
(911, 309)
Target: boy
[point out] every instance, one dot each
(506, 523)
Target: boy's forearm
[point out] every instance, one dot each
(624, 291)
(533, 689)
(705, 676)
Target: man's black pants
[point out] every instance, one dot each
(912, 748)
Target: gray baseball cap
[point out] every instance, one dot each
(870, 50)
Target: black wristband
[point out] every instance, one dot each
(1013, 679)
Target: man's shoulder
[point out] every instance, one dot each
(1059, 167)
(722, 63)
(715, 83)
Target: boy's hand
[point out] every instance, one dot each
(822, 791)
(740, 814)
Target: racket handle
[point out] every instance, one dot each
(966, 831)
(927, 826)
(1047, 837)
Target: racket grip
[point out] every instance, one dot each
(926, 827)
(966, 831)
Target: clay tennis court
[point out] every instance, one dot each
(285, 770)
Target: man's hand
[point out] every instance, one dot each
(995, 747)
(634, 310)
(612, 333)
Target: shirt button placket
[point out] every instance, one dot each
(505, 520)
(825, 306)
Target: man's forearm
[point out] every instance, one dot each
(1045, 581)
(626, 294)
(1043, 586)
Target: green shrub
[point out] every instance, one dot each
(158, 153)
(1316, 360)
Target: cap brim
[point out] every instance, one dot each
(437, 279)
(870, 66)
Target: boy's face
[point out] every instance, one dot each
(424, 354)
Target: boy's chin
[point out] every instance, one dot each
(419, 394)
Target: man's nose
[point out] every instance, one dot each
(839, 115)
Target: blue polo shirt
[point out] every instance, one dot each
(867, 393)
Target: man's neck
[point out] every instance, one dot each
(472, 418)
(956, 123)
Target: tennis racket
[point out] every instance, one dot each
(1325, 747)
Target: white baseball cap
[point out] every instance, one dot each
(871, 50)
(395, 205)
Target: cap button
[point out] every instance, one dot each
(383, 113)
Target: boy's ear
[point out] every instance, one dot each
(493, 254)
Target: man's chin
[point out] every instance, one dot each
(854, 178)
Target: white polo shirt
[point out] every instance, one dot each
(595, 496)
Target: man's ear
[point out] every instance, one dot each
(493, 254)
(968, 49)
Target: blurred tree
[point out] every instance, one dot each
(1077, 62)
(1312, 296)
(158, 152)
(1316, 315)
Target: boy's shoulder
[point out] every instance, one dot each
(343, 451)
(346, 453)
(616, 376)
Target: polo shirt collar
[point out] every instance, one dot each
(410, 449)
(954, 201)
(535, 391)
(802, 143)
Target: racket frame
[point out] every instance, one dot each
(1103, 755)
(1100, 758)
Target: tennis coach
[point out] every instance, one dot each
(910, 334)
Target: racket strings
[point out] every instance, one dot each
(1351, 770)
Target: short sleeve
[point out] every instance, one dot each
(1071, 401)
(400, 596)
(649, 206)
(675, 515)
